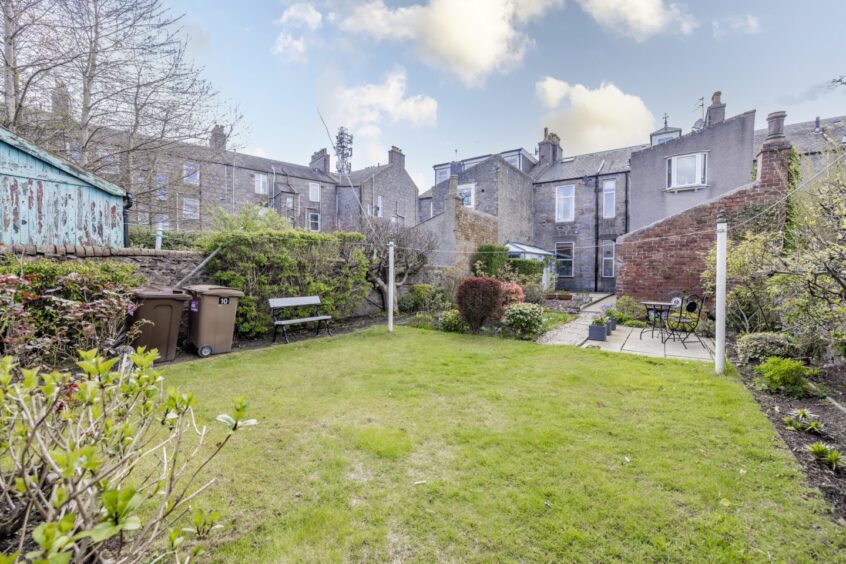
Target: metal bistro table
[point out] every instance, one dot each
(657, 314)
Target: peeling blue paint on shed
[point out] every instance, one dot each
(45, 200)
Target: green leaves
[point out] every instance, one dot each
(238, 421)
(827, 454)
(203, 523)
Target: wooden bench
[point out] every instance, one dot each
(278, 307)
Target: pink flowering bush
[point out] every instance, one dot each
(512, 293)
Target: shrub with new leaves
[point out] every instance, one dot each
(103, 465)
(451, 322)
(757, 347)
(479, 299)
(783, 376)
(512, 293)
(525, 321)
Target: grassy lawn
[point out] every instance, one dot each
(553, 319)
(424, 446)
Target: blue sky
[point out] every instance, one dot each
(478, 76)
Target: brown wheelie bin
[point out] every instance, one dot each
(211, 318)
(163, 307)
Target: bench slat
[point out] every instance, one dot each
(302, 320)
(276, 303)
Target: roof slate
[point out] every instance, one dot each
(803, 138)
(579, 166)
(356, 177)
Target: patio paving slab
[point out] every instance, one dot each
(628, 340)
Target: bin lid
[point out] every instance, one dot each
(211, 290)
(161, 292)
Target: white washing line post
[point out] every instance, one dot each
(722, 235)
(391, 287)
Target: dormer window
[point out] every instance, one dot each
(687, 171)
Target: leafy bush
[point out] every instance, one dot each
(598, 321)
(526, 267)
(252, 218)
(827, 455)
(49, 309)
(423, 296)
(452, 322)
(145, 238)
(489, 260)
(273, 264)
(512, 293)
(423, 321)
(479, 299)
(783, 376)
(805, 421)
(755, 347)
(525, 321)
(534, 292)
(621, 317)
(635, 323)
(629, 308)
(102, 466)
(406, 303)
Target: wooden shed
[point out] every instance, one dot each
(46, 200)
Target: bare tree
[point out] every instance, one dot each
(411, 253)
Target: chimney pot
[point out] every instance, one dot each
(817, 126)
(775, 125)
(715, 98)
(396, 156)
(716, 112)
(217, 141)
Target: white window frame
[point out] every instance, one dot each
(572, 246)
(471, 189)
(701, 178)
(312, 216)
(190, 208)
(380, 206)
(608, 260)
(560, 197)
(189, 177)
(439, 172)
(609, 190)
(261, 184)
(289, 202)
(314, 192)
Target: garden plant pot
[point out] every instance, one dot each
(612, 323)
(608, 329)
(596, 332)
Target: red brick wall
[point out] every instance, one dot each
(669, 257)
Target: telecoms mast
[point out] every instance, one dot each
(343, 151)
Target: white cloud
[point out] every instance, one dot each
(289, 48)
(471, 39)
(551, 91)
(640, 19)
(747, 24)
(364, 109)
(594, 119)
(301, 14)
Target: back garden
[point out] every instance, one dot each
(455, 438)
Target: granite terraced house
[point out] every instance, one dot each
(577, 206)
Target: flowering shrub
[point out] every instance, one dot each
(451, 322)
(53, 309)
(524, 320)
(479, 299)
(757, 347)
(102, 465)
(512, 293)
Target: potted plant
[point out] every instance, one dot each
(611, 320)
(597, 330)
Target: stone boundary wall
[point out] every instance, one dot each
(669, 256)
(156, 267)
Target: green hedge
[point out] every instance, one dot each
(526, 267)
(277, 264)
(489, 260)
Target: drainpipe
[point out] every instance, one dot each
(128, 200)
(596, 233)
(626, 229)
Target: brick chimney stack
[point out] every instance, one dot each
(320, 161)
(549, 149)
(716, 111)
(396, 156)
(774, 158)
(217, 141)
